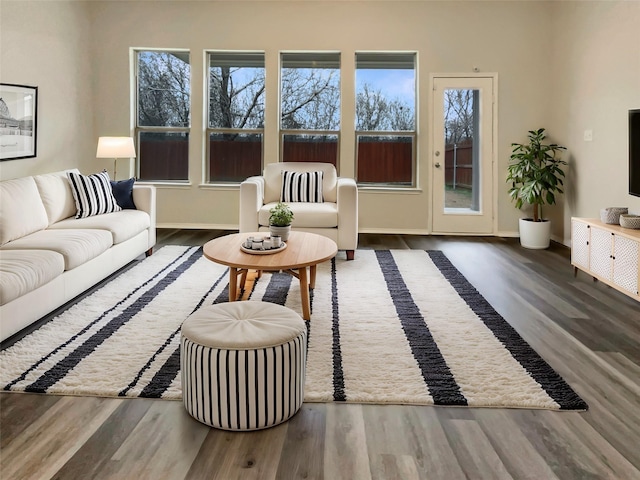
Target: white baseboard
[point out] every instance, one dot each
(508, 234)
(561, 240)
(197, 226)
(394, 231)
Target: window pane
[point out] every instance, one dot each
(164, 156)
(310, 148)
(385, 159)
(163, 89)
(236, 90)
(385, 92)
(310, 91)
(233, 157)
(462, 147)
(385, 102)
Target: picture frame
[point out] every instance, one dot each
(18, 121)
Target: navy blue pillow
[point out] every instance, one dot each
(123, 193)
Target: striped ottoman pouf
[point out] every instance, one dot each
(243, 364)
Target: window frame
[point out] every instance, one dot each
(208, 130)
(140, 129)
(413, 134)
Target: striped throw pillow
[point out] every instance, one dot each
(92, 194)
(302, 187)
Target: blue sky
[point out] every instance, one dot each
(393, 83)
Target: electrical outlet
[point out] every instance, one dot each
(588, 135)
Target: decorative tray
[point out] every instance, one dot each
(282, 246)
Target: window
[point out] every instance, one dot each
(385, 119)
(310, 107)
(235, 115)
(163, 115)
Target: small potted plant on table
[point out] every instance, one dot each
(535, 173)
(280, 218)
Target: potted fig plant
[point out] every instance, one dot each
(536, 176)
(280, 218)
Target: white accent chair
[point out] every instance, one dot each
(335, 218)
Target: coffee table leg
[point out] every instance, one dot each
(243, 278)
(304, 293)
(233, 284)
(312, 276)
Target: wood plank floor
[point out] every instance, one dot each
(587, 331)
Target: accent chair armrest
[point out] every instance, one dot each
(251, 200)
(347, 213)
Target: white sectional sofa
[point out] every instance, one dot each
(48, 257)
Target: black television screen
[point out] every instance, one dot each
(634, 152)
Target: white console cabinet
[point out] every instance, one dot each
(609, 253)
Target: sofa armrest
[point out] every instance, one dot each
(144, 196)
(347, 213)
(251, 201)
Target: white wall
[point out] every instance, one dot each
(561, 65)
(45, 44)
(450, 37)
(596, 71)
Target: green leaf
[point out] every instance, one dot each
(534, 171)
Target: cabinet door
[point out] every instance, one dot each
(580, 244)
(625, 263)
(600, 253)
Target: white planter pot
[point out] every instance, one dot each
(282, 231)
(536, 235)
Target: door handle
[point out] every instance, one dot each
(437, 164)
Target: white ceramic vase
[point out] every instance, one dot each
(535, 235)
(282, 231)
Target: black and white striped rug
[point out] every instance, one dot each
(392, 326)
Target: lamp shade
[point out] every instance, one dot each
(115, 147)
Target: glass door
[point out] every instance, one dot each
(462, 155)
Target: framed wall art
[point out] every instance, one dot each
(18, 120)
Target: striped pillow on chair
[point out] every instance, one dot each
(301, 187)
(92, 194)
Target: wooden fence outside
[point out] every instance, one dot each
(233, 161)
(463, 169)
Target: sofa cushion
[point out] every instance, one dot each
(56, 195)
(123, 225)
(76, 246)
(123, 193)
(92, 194)
(301, 187)
(22, 271)
(306, 215)
(21, 209)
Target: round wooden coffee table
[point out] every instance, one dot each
(303, 250)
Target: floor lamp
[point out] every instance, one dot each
(115, 147)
